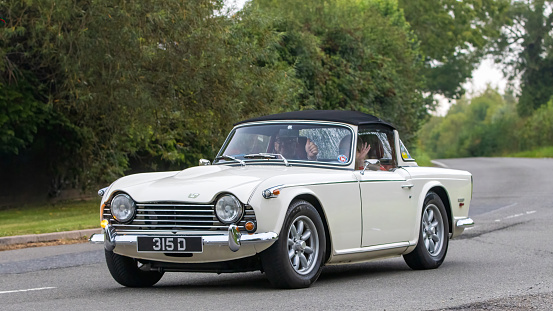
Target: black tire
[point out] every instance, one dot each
(126, 271)
(433, 239)
(290, 270)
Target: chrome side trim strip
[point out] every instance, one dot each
(464, 222)
(372, 248)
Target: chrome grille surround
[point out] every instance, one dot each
(182, 218)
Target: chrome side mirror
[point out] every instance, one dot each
(204, 162)
(371, 164)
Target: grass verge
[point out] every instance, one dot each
(544, 152)
(46, 218)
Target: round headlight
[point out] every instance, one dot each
(123, 208)
(228, 209)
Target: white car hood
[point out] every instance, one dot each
(199, 184)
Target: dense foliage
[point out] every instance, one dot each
(526, 48)
(90, 90)
(492, 125)
(355, 55)
(454, 36)
(487, 125)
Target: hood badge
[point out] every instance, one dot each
(193, 195)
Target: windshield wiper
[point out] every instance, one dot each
(227, 157)
(266, 156)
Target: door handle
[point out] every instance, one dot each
(407, 186)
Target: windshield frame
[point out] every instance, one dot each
(297, 162)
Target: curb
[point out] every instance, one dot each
(45, 237)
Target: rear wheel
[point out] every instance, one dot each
(295, 260)
(433, 236)
(127, 271)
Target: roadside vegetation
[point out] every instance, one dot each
(92, 90)
(545, 152)
(518, 123)
(488, 125)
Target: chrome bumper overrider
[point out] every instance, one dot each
(464, 223)
(234, 239)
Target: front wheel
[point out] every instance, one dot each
(295, 260)
(127, 271)
(433, 236)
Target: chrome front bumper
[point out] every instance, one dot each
(464, 223)
(234, 239)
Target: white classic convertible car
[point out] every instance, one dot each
(286, 194)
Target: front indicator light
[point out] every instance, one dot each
(271, 192)
(250, 226)
(104, 223)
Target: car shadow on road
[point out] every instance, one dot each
(256, 281)
(365, 270)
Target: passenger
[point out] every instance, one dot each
(363, 149)
(291, 146)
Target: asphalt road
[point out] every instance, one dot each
(506, 258)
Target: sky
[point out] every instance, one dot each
(488, 73)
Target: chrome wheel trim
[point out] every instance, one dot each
(432, 228)
(303, 245)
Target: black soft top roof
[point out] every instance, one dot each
(343, 116)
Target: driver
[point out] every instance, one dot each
(287, 144)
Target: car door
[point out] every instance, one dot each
(387, 207)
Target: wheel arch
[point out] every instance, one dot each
(318, 206)
(444, 196)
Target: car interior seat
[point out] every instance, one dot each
(301, 154)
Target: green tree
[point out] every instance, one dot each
(538, 129)
(158, 83)
(487, 125)
(356, 55)
(526, 48)
(454, 36)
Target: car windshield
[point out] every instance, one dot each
(291, 141)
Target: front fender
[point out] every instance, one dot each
(425, 188)
(270, 213)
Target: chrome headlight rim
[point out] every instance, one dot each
(131, 215)
(218, 207)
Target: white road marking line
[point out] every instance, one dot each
(517, 215)
(25, 290)
(507, 206)
(513, 216)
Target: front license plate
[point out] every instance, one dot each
(170, 244)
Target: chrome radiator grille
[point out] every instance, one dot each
(175, 216)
